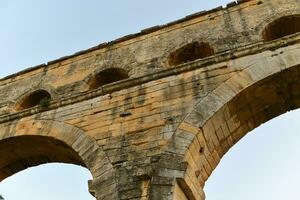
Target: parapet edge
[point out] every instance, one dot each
(131, 36)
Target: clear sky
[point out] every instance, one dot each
(264, 165)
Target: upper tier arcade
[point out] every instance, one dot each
(202, 35)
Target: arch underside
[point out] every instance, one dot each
(26, 143)
(281, 27)
(263, 101)
(35, 98)
(21, 152)
(107, 76)
(267, 88)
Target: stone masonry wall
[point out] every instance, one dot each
(160, 133)
(224, 29)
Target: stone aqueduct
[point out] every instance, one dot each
(151, 114)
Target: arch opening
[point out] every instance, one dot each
(257, 104)
(48, 181)
(23, 146)
(108, 76)
(265, 161)
(39, 97)
(190, 52)
(282, 27)
(21, 152)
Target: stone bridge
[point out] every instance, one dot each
(151, 114)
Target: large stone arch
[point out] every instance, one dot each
(80, 149)
(264, 86)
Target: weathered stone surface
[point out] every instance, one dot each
(147, 129)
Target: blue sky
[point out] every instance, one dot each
(264, 165)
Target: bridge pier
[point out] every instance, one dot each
(163, 178)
